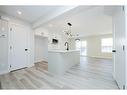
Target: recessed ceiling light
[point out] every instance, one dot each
(19, 12)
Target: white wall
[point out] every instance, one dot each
(94, 46)
(3, 46)
(41, 49)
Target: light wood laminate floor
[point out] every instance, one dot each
(91, 73)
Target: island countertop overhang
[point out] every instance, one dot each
(62, 51)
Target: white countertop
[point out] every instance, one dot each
(63, 51)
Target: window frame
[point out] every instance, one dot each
(109, 47)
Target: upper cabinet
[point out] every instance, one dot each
(41, 32)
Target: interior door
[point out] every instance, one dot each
(18, 47)
(119, 46)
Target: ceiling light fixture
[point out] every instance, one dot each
(19, 12)
(77, 38)
(69, 24)
(69, 32)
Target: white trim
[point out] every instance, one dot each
(39, 61)
(125, 8)
(97, 57)
(4, 72)
(30, 65)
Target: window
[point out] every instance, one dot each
(82, 46)
(78, 45)
(106, 45)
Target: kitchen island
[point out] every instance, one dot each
(59, 61)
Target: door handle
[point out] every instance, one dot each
(26, 49)
(113, 50)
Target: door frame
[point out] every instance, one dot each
(125, 63)
(10, 46)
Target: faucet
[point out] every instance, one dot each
(67, 44)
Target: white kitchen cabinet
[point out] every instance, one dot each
(41, 33)
(59, 61)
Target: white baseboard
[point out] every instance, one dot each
(40, 61)
(30, 65)
(4, 72)
(99, 57)
(7, 71)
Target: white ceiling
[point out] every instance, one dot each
(86, 20)
(32, 13)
